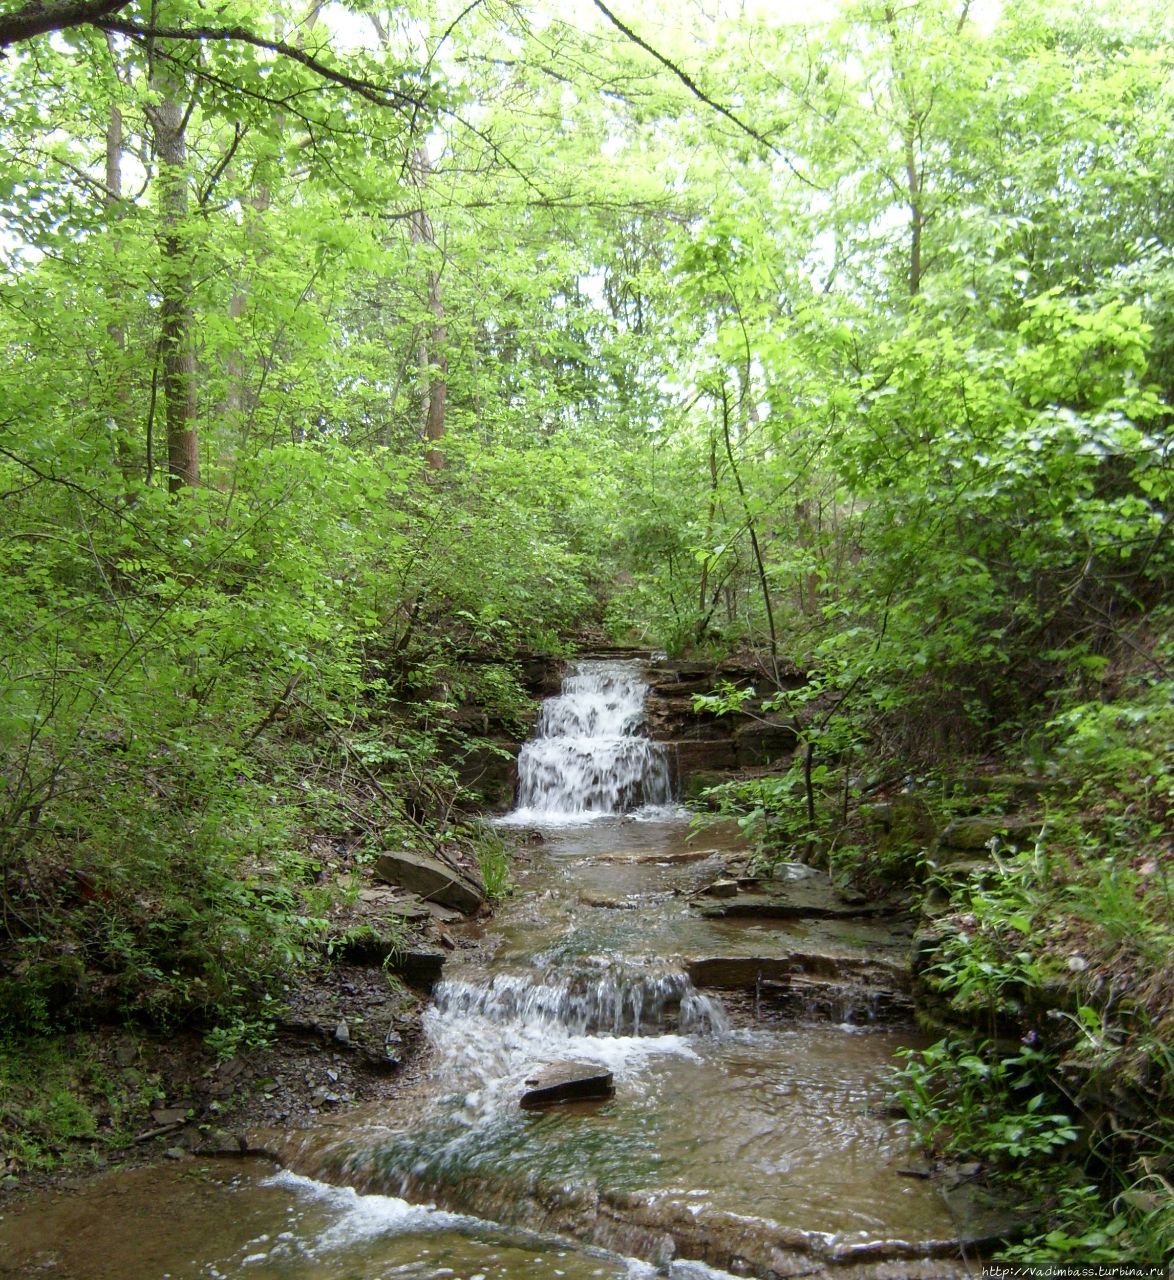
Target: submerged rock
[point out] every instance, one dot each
(659, 857)
(431, 879)
(567, 1082)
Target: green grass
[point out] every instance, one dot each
(61, 1106)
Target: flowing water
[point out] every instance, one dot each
(739, 1135)
(588, 757)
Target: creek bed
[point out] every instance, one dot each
(749, 1130)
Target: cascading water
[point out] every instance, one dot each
(490, 1033)
(608, 998)
(588, 757)
(764, 1148)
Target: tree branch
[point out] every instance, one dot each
(380, 95)
(685, 78)
(42, 16)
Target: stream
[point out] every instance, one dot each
(745, 1126)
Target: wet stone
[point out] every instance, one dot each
(673, 857)
(420, 964)
(611, 904)
(738, 972)
(811, 898)
(431, 879)
(567, 1082)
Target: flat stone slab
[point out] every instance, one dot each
(747, 972)
(740, 973)
(812, 985)
(419, 964)
(408, 906)
(431, 879)
(764, 741)
(811, 898)
(422, 964)
(567, 1082)
(385, 898)
(671, 857)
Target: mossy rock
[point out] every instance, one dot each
(972, 834)
(1015, 786)
(904, 820)
(693, 784)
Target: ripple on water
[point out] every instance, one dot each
(219, 1220)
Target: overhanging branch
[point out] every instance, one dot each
(380, 95)
(685, 78)
(43, 16)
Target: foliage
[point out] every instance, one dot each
(60, 1104)
(406, 355)
(493, 861)
(1067, 943)
(969, 1100)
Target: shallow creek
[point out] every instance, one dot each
(741, 1134)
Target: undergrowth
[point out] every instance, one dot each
(59, 1104)
(1047, 955)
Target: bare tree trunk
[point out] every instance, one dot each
(752, 529)
(168, 121)
(808, 584)
(115, 328)
(914, 119)
(438, 374)
(430, 352)
(710, 515)
(236, 396)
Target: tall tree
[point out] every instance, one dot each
(169, 116)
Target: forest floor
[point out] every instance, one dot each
(345, 1032)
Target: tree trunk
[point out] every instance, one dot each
(433, 360)
(115, 328)
(916, 217)
(237, 399)
(710, 516)
(438, 374)
(431, 353)
(179, 361)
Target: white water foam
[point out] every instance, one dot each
(601, 997)
(588, 758)
(364, 1217)
(490, 1036)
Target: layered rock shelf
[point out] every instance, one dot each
(702, 743)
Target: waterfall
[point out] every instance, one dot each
(605, 998)
(588, 757)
